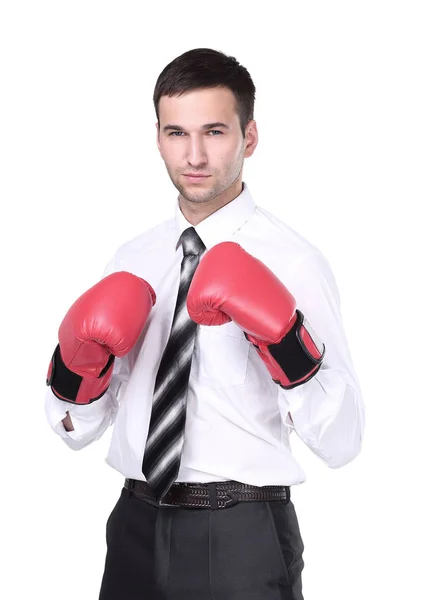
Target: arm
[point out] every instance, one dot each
(53, 404)
(298, 334)
(90, 363)
(326, 412)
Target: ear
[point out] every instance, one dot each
(251, 138)
(158, 138)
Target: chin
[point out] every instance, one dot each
(193, 195)
(197, 198)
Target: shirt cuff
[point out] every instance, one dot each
(85, 418)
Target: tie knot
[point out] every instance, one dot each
(191, 242)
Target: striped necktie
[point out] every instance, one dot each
(165, 439)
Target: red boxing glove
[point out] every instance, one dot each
(230, 284)
(103, 323)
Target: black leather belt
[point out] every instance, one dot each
(218, 494)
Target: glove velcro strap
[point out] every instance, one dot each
(66, 384)
(299, 354)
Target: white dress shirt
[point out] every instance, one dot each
(237, 424)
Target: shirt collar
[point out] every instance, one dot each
(221, 225)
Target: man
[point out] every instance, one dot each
(211, 338)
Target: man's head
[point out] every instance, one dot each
(204, 102)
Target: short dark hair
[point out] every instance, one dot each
(203, 68)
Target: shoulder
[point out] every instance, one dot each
(148, 239)
(280, 244)
(299, 263)
(133, 254)
(281, 233)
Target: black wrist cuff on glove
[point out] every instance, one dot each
(65, 384)
(293, 357)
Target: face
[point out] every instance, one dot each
(201, 143)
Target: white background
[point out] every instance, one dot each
(341, 111)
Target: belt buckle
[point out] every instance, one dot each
(161, 502)
(231, 501)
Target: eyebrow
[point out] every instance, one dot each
(204, 127)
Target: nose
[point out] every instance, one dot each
(196, 153)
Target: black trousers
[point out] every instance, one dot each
(250, 551)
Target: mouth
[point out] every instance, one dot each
(195, 178)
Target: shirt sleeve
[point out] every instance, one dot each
(92, 420)
(327, 412)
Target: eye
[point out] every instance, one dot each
(215, 131)
(176, 133)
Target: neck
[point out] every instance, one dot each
(196, 212)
